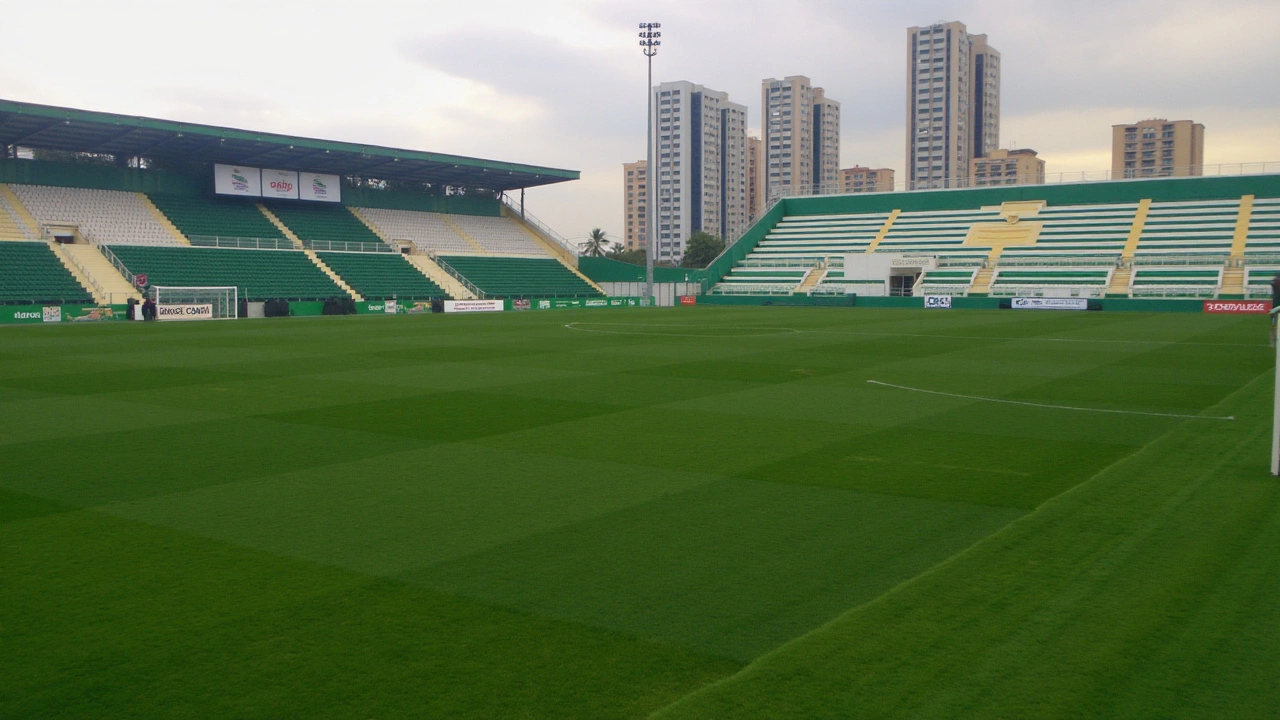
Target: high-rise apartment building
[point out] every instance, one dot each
(953, 103)
(1157, 148)
(1007, 167)
(863, 180)
(755, 178)
(700, 139)
(801, 129)
(635, 205)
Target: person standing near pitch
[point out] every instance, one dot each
(1275, 305)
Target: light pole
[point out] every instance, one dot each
(649, 42)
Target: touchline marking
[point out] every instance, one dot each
(1054, 407)
(1032, 338)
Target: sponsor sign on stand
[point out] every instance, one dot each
(52, 314)
(1049, 303)
(459, 306)
(185, 312)
(280, 184)
(521, 304)
(317, 186)
(389, 307)
(688, 299)
(1238, 307)
(937, 302)
(237, 180)
(140, 280)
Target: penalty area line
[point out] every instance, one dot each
(1053, 407)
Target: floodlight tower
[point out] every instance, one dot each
(649, 43)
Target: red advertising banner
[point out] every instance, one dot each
(1259, 307)
(688, 299)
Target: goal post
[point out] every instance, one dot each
(196, 303)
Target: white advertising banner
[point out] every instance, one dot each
(472, 306)
(184, 312)
(51, 314)
(316, 186)
(237, 180)
(937, 302)
(389, 307)
(280, 184)
(1044, 303)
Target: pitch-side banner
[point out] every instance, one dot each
(184, 312)
(280, 184)
(237, 180)
(316, 186)
(472, 306)
(1238, 307)
(937, 302)
(1049, 304)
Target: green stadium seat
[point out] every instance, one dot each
(31, 274)
(381, 276)
(259, 274)
(499, 276)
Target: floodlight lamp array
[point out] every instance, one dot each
(649, 35)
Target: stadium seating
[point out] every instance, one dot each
(379, 276)
(1175, 281)
(105, 217)
(212, 217)
(499, 276)
(940, 233)
(1182, 231)
(757, 280)
(12, 226)
(1264, 228)
(323, 223)
(1080, 234)
(260, 274)
(947, 281)
(31, 274)
(1059, 281)
(498, 235)
(429, 232)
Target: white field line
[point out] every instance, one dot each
(731, 331)
(1053, 407)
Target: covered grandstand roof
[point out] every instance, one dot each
(58, 128)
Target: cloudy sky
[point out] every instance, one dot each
(562, 82)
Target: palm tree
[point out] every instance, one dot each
(597, 243)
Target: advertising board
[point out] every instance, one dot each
(460, 306)
(389, 307)
(937, 302)
(280, 184)
(688, 299)
(1043, 303)
(185, 312)
(1238, 307)
(317, 186)
(237, 180)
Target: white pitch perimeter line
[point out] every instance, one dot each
(1054, 407)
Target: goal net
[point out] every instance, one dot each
(195, 303)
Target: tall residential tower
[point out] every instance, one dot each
(700, 139)
(801, 128)
(953, 103)
(1157, 148)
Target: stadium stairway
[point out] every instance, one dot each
(437, 275)
(82, 277)
(101, 277)
(884, 230)
(1120, 281)
(1135, 231)
(164, 221)
(812, 278)
(1233, 278)
(311, 255)
(22, 219)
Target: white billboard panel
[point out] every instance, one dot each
(237, 180)
(280, 184)
(317, 186)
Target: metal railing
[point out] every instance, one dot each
(779, 192)
(1061, 261)
(241, 243)
(538, 225)
(1214, 259)
(348, 246)
(457, 276)
(119, 266)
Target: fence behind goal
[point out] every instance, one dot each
(195, 303)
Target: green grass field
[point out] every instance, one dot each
(688, 513)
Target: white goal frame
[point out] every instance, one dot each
(188, 303)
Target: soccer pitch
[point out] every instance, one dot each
(685, 513)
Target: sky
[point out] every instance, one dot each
(561, 83)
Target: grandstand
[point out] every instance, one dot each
(358, 237)
(1188, 238)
